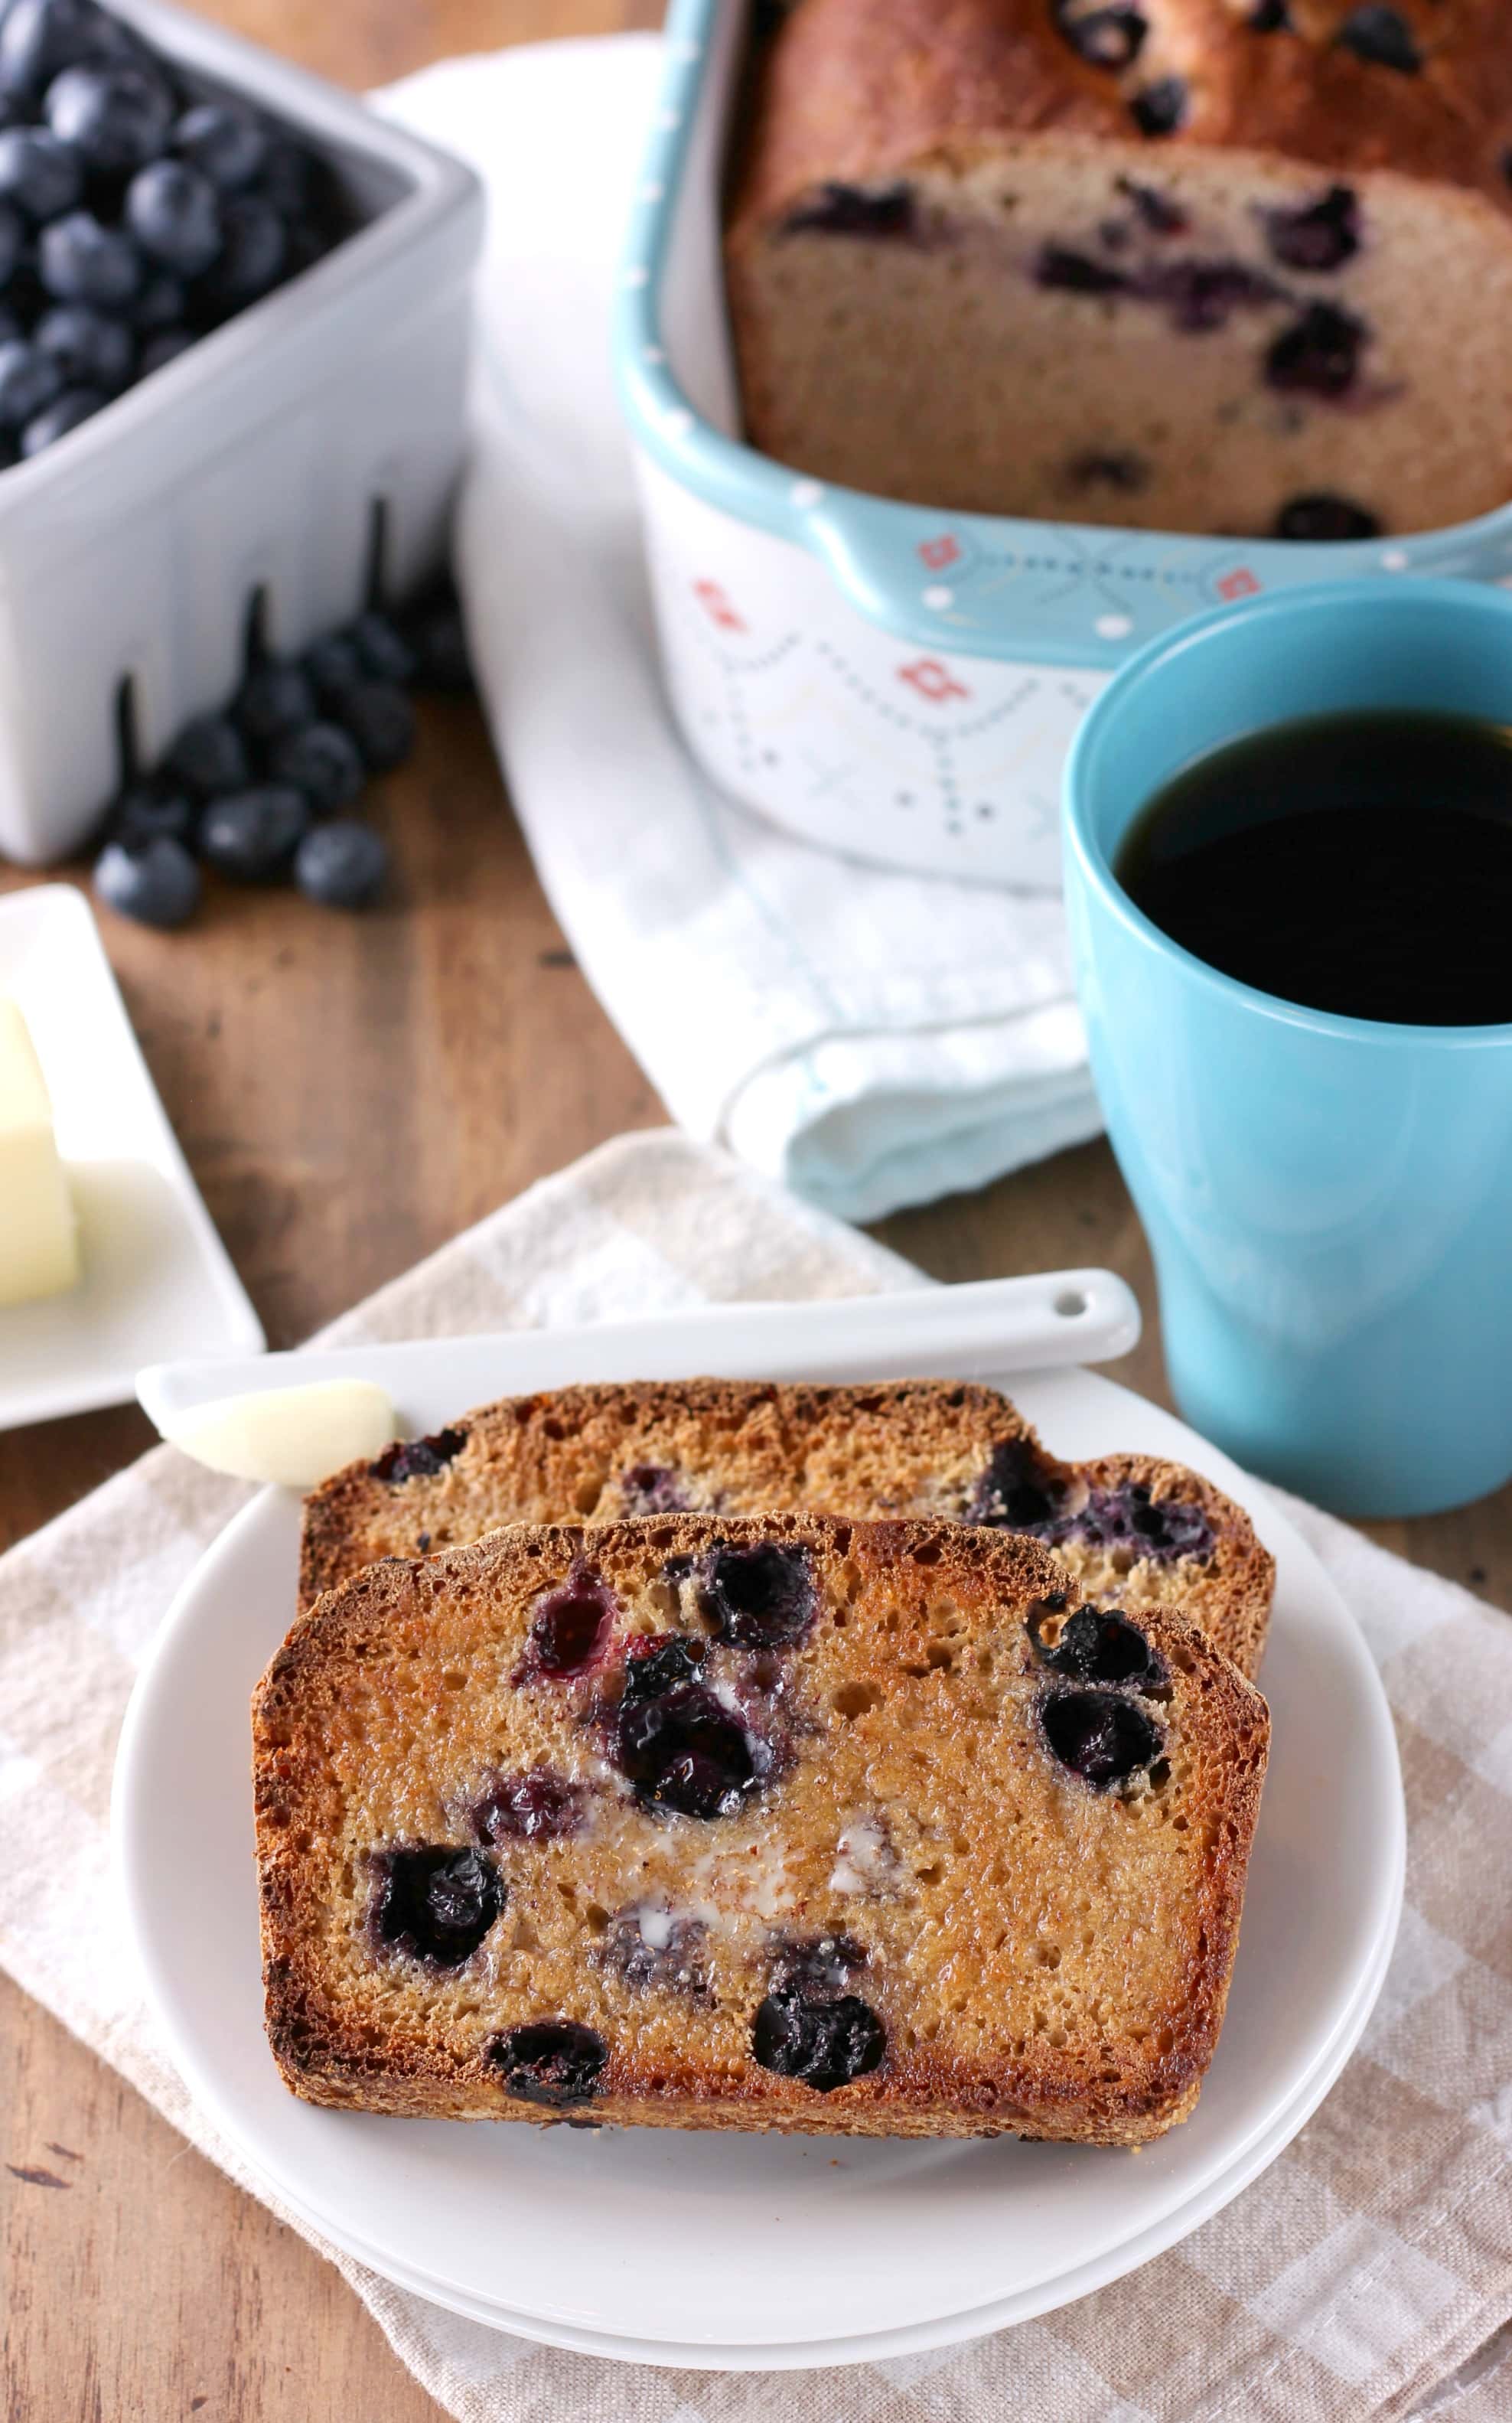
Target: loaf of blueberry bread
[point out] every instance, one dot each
(785, 1823)
(1127, 1526)
(1214, 266)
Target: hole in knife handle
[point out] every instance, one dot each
(1070, 1304)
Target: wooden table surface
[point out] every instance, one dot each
(350, 1093)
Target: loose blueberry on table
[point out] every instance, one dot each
(253, 791)
(128, 190)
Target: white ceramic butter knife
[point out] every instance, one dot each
(992, 1326)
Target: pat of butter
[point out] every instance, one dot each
(39, 1245)
(294, 1436)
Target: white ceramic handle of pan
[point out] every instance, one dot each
(990, 1326)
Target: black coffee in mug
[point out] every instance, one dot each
(1360, 862)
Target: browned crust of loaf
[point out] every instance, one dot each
(378, 1614)
(861, 90)
(349, 1520)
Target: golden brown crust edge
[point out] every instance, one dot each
(325, 2062)
(859, 91)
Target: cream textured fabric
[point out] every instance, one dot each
(1357, 2277)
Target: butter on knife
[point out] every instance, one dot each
(292, 1436)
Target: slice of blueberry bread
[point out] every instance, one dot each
(1127, 1526)
(776, 1824)
(1212, 265)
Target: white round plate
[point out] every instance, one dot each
(668, 2247)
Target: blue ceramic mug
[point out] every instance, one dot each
(1329, 1200)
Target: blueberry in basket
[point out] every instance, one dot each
(131, 192)
(268, 790)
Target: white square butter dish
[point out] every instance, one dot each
(156, 1279)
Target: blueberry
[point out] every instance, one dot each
(435, 1905)
(1318, 355)
(156, 882)
(1099, 1735)
(332, 665)
(570, 1630)
(39, 38)
(655, 1662)
(1127, 1516)
(1205, 294)
(225, 141)
(381, 721)
(762, 1597)
(435, 631)
(555, 2062)
(538, 1807)
(667, 1956)
(1103, 37)
(341, 865)
(89, 347)
(418, 1459)
(1269, 17)
(252, 835)
(382, 652)
(652, 1489)
(274, 700)
(163, 347)
(29, 379)
(323, 762)
(38, 173)
(1321, 517)
(1018, 1491)
(253, 242)
(1096, 1646)
(824, 2044)
(11, 327)
(1322, 236)
(684, 1750)
(115, 118)
(75, 404)
(209, 758)
(161, 301)
(1382, 37)
(885, 211)
(1076, 273)
(174, 214)
(151, 809)
(1161, 108)
(83, 262)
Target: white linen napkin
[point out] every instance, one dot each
(871, 1038)
(1359, 2279)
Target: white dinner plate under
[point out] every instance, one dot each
(662, 2246)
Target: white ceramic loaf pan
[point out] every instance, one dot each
(886, 680)
(253, 473)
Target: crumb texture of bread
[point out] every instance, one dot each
(1129, 1526)
(776, 1824)
(1238, 266)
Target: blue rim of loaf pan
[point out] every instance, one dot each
(969, 584)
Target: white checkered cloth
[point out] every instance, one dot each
(1367, 2273)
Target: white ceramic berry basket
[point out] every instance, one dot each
(263, 473)
(889, 681)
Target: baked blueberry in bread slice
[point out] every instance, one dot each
(1128, 1526)
(786, 1823)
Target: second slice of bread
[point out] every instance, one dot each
(1129, 1526)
